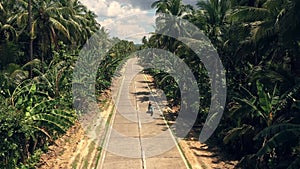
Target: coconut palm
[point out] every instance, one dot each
(52, 21)
(172, 7)
(8, 36)
(44, 23)
(170, 13)
(261, 19)
(79, 20)
(211, 17)
(272, 24)
(35, 111)
(288, 26)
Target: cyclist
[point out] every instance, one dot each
(150, 108)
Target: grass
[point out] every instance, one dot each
(87, 158)
(105, 133)
(99, 155)
(75, 162)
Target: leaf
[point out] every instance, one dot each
(249, 14)
(269, 131)
(286, 137)
(237, 132)
(58, 26)
(32, 89)
(34, 63)
(264, 100)
(1, 6)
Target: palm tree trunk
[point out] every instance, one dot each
(30, 34)
(295, 59)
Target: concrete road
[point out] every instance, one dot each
(136, 138)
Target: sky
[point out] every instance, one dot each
(126, 19)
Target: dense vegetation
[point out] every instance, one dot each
(258, 43)
(39, 45)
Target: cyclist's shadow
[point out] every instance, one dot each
(150, 112)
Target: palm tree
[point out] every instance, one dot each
(53, 21)
(273, 24)
(42, 24)
(80, 21)
(30, 33)
(8, 36)
(168, 21)
(288, 26)
(211, 17)
(261, 19)
(172, 7)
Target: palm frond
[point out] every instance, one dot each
(34, 63)
(58, 26)
(1, 7)
(249, 14)
(22, 18)
(237, 132)
(12, 31)
(263, 30)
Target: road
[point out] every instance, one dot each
(137, 140)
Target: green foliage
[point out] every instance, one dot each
(38, 111)
(12, 135)
(32, 161)
(109, 64)
(261, 105)
(258, 43)
(281, 134)
(9, 53)
(36, 92)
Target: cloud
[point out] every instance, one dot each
(97, 6)
(131, 27)
(108, 8)
(146, 4)
(116, 9)
(123, 20)
(124, 17)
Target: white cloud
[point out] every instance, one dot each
(105, 8)
(106, 22)
(116, 9)
(97, 6)
(122, 20)
(132, 27)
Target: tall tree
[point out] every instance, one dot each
(30, 33)
(211, 17)
(172, 7)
